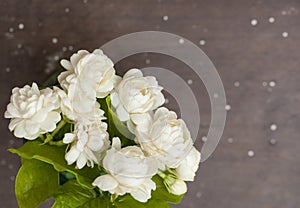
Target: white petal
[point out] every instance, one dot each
(72, 155)
(105, 183)
(114, 99)
(81, 161)
(68, 138)
(122, 113)
(133, 73)
(66, 64)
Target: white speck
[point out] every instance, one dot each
(11, 29)
(85, 1)
(11, 142)
(283, 12)
(3, 162)
(272, 83)
(71, 48)
(56, 58)
(216, 95)
(227, 107)
(19, 45)
(251, 153)
(271, 19)
(230, 140)
(204, 139)
(273, 127)
(54, 40)
(64, 49)
(148, 61)
(264, 84)
(165, 18)
(7, 69)
(198, 194)
(181, 41)
(190, 81)
(202, 42)
(285, 34)
(167, 101)
(254, 22)
(10, 166)
(12, 178)
(273, 141)
(67, 10)
(21, 26)
(236, 84)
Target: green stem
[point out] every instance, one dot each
(57, 143)
(61, 124)
(161, 174)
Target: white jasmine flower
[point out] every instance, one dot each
(88, 143)
(91, 73)
(188, 166)
(33, 111)
(136, 94)
(129, 171)
(79, 107)
(166, 138)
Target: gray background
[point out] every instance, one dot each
(253, 56)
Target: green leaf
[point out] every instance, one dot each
(100, 202)
(55, 156)
(72, 195)
(128, 201)
(52, 80)
(162, 192)
(36, 181)
(116, 128)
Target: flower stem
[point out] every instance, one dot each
(61, 124)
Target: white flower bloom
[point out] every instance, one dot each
(92, 73)
(178, 187)
(166, 138)
(189, 166)
(33, 111)
(80, 108)
(136, 94)
(88, 143)
(129, 171)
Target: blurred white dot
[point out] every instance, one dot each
(264, 84)
(271, 19)
(21, 26)
(227, 107)
(12, 178)
(251, 153)
(11, 29)
(19, 45)
(71, 48)
(202, 42)
(10, 166)
(11, 141)
(85, 1)
(216, 95)
(273, 141)
(273, 127)
(67, 10)
(272, 83)
(283, 12)
(190, 81)
(198, 194)
(165, 18)
(254, 22)
(3, 162)
(7, 69)
(148, 61)
(204, 139)
(181, 41)
(54, 40)
(166, 100)
(285, 34)
(56, 58)
(236, 84)
(230, 140)
(64, 49)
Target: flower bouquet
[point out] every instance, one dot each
(96, 139)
